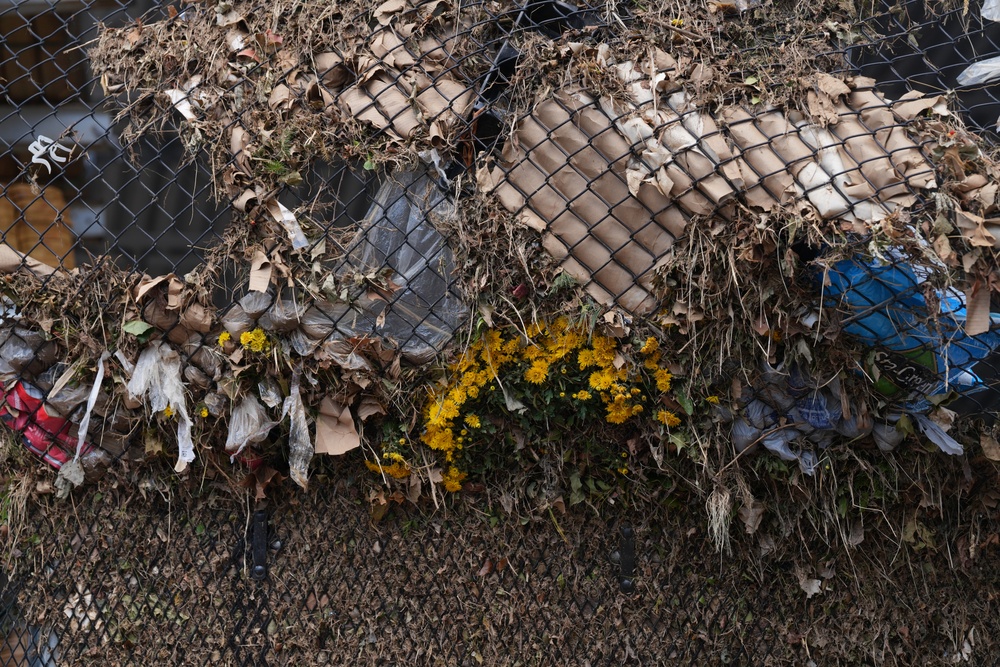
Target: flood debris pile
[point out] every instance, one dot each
(474, 233)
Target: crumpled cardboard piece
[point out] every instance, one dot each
(12, 261)
(335, 431)
(977, 308)
(611, 184)
(260, 272)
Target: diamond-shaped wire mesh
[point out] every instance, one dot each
(160, 577)
(104, 172)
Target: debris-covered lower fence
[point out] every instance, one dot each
(563, 248)
(156, 577)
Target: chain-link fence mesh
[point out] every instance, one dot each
(160, 577)
(246, 234)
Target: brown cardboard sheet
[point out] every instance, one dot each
(612, 184)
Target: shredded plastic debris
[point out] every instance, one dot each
(157, 378)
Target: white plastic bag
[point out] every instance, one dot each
(157, 377)
(979, 73)
(991, 10)
(248, 425)
(300, 447)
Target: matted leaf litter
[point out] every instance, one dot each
(479, 236)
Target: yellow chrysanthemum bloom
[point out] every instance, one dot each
(650, 346)
(714, 400)
(255, 340)
(663, 378)
(457, 395)
(582, 395)
(472, 421)
(168, 412)
(203, 412)
(601, 380)
(224, 338)
(667, 418)
(538, 372)
(452, 479)
(397, 470)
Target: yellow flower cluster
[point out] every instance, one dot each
(255, 340)
(452, 479)
(393, 464)
(224, 338)
(556, 368)
(668, 418)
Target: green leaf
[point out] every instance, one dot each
(755, 100)
(686, 403)
(291, 178)
(369, 164)
(750, 80)
(137, 327)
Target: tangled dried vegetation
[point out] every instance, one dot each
(703, 134)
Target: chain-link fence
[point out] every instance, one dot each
(472, 238)
(158, 577)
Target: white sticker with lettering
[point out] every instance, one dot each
(43, 146)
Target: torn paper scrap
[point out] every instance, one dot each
(286, 219)
(335, 431)
(260, 272)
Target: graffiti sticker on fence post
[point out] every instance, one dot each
(42, 146)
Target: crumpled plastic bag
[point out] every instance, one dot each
(300, 446)
(991, 10)
(419, 307)
(887, 311)
(282, 317)
(21, 348)
(887, 436)
(236, 321)
(791, 415)
(157, 377)
(980, 73)
(248, 425)
(255, 303)
(65, 399)
(270, 392)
